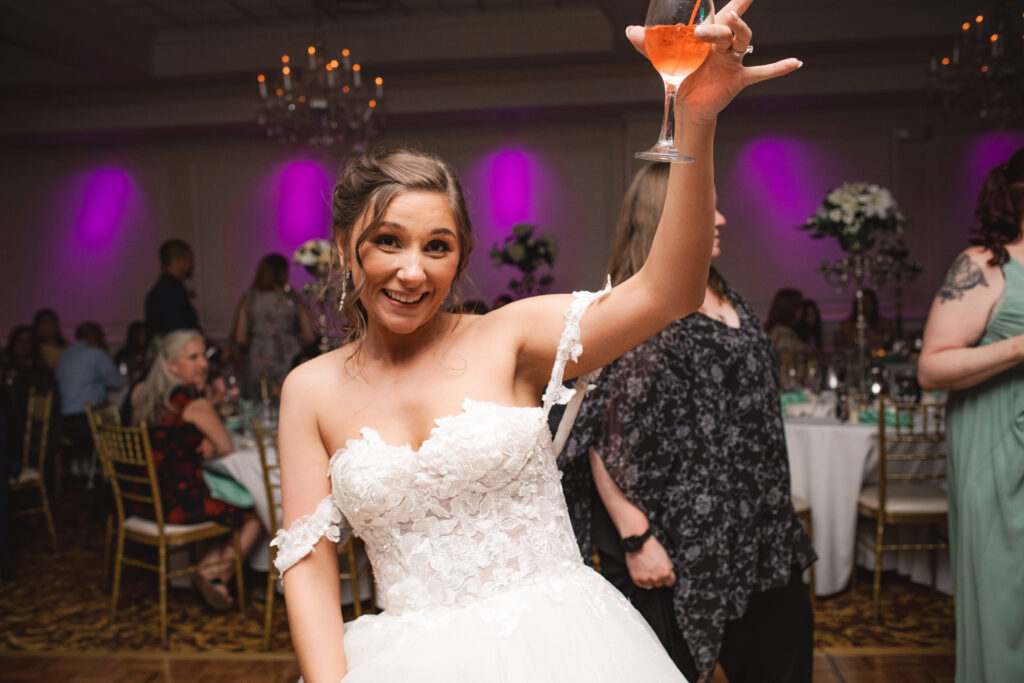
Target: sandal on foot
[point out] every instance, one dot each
(212, 596)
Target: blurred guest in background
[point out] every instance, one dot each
(272, 324)
(878, 331)
(85, 374)
(974, 347)
(23, 369)
(784, 317)
(474, 306)
(809, 328)
(51, 341)
(131, 358)
(168, 306)
(678, 432)
(185, 428)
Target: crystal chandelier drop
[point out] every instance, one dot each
(982, 76)
(322, 102)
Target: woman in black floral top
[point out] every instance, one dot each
(683, 437)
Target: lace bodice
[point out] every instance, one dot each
(476, 509)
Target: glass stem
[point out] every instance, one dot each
(668, 121)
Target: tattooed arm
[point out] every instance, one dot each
(962, 306)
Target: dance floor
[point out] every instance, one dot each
(54, 614)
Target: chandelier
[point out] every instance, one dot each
(982, 76)
(323, 102)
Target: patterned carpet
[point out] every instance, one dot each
(61, 603)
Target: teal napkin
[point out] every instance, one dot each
(787, 398)
(870, 416)
(223, 487)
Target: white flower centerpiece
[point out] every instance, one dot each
(856, 214)
(867, 223)
(315, 256)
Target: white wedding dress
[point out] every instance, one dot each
(474, 556)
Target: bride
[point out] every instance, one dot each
(424, 435)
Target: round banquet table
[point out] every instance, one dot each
(829, 463)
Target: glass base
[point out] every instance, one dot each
(664, 153)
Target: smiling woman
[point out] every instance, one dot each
(442, 459)
(378, 216)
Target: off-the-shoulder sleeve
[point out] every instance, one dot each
(304, 533)
(570, 348)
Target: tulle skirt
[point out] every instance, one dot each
(562, 628)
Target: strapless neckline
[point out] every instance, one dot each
(370, 435)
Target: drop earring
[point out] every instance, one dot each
(344, 289)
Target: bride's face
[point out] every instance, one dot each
(409, 261)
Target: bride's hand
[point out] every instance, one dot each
(722, 75)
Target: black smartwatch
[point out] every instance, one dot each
(632, 544)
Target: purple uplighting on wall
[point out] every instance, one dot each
(302, 190)
(781, 173)
(106, 195)
(509, 187)
(990, 149)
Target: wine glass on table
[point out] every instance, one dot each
(676, 53)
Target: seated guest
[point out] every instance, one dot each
(878, 331)
(85, 374)
(783, 321)
(46, 327)
(809, 329)
(132, 356)
(185, 428)
(23, 368)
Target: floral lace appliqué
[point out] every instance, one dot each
(305, 532)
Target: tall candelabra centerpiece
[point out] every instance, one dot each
(315, 256)
(868, 225)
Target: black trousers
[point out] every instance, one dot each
(773, 642)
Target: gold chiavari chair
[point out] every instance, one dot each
(33, 459)
(110, 414)
(128, 461)
(908, 491)
(266, 443)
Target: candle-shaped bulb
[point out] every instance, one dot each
(285, 59)
(287, 77)
(262, 80)
(330, 76)
(345, 59)
(357, 78)
(311, 51)
(380, 87)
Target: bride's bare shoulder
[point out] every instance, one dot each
(321, 374)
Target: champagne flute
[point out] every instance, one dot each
(676, 53)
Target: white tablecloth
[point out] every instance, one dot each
(245, 467)
(829, 462)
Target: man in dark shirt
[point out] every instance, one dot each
(167, 304)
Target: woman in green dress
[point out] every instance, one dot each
(974, 347)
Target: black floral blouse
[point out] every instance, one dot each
(689, 426)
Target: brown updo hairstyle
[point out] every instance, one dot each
(1001, 208)
(367, 187)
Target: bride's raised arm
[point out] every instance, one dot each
(672, 282)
